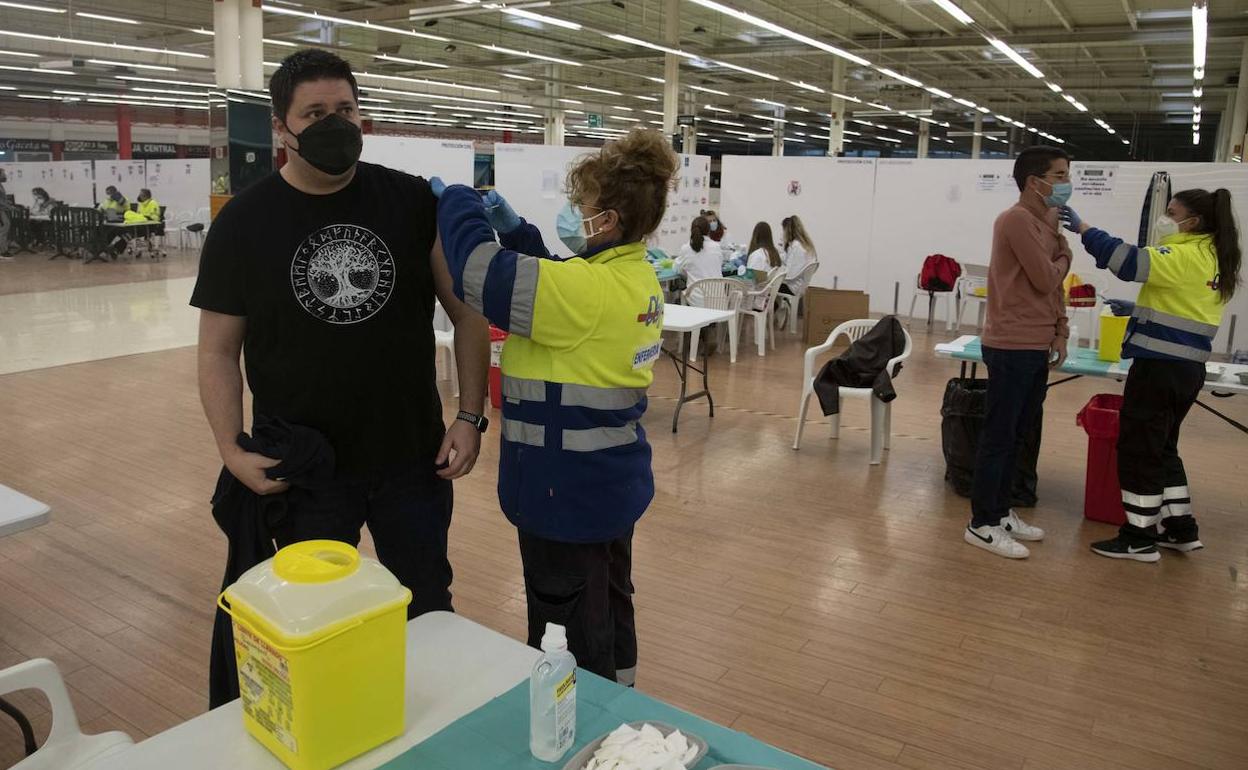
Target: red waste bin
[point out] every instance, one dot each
(1102, 497)
(497, 338)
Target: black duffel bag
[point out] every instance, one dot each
(962, 418)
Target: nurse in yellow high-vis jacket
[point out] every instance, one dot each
(574, 466)
(1187, 280)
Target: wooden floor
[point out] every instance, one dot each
(38, 272)
(804, 597)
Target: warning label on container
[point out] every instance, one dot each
(565, 712)
(264, 682)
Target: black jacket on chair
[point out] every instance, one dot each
(248, 520)
(864, 365)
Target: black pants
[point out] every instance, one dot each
(587, 589)
(1017, 384)
(1156, 399)
(408, 514)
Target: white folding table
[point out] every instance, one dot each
(454, 666)
(685, 320)
(19, 512)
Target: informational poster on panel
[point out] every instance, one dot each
(689, 198)
(66, 181)
(128, 176)
(181, 186)
(1095, 180)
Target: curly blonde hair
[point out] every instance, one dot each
(632, 176)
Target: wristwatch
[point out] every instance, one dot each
(477, 421)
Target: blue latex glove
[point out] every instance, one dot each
(1070, 219)
(1121, 306)
(501, 216)
(438, 186)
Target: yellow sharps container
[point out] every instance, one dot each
(320, 638)
(1113, 330)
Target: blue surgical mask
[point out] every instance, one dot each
(570, 224)
(1060, 195)
(714, 226)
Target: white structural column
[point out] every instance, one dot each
(925, 131)
(555, 126)
(836, 125)
(1239, 124)
(977, 139)
(671, 66)
(251, 44)
(689, 134)
(225, 52)
(777, 142)
(1223, 149)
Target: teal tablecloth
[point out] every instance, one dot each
(496, 736)
(1084, 361)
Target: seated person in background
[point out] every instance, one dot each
(149, 207)
(43, 203)
(799, 251)
(700, 257)
(716, 228)
(114, 204)
(763, 253)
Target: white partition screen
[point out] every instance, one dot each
(450, 160)
(531, 178)
(832, 197)
(128, 176)
(689, 197)
(181, 186)
(66, 181)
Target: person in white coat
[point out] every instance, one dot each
(700, 257)
(799, 251)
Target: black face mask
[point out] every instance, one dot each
(331, 145)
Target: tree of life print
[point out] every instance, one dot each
(342, 274)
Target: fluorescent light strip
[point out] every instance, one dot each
(938, 92)
(653, 112)
(443, 98)
(203, 94)
(1200, 36)
(746, 70)
(529, 54)
(705, 90)
(966, 103)
(144, 79)
(8, 88)
(115, 46)
(26, 7)
(807, 86)
(885, 139)
(423, 82)
(600, 90)
(102, 17)
(1054, 87)
(514, 76)
(651, 46)
(898, 76)
(416, 62)
(13, 68)
(646, 98)
(621, 109)
(767, 25)
(281, 11)
(539, 17)
(153, 67)
(147, 104)
(884, 107)
(47, 98)
(770, 103)
(848, 98)
(1015, 57)
(20, 53)
(948, 7)
(282, 43)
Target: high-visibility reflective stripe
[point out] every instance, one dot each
(626, 676)
(523, 390)
(524, 433)
(1119, 256)
(594, 439)
(600, 398)
(1143, 521)
(1152, 315)
(1176, 509)
(1143, 265)
(523, 296)
(475, 268)
(1176, 494)
(1141, 340)
(1141, 501)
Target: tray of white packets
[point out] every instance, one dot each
(641, 746)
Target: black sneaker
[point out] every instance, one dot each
(1122, 548)
(1179, 538)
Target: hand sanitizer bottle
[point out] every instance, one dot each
(552, 698)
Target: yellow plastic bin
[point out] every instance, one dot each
(1113, 330)
(321, 641)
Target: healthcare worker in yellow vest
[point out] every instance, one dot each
(1187, 280)
(114, 203)
(574, 466)
(149, 207)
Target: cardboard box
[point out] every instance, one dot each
(828, 308)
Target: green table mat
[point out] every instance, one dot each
(496, 736)
(1084, 361)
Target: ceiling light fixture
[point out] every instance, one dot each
(102, 17)
(938, 92)
(1015, 57)
(606, 91)
(651, 46)
(27, 7)
(116, 46)
(779, 30)
(705, 90)
(153, 67)
(20, 53)
(529, 54)
(898, 76)
(416, 62)
(539, 17)
(282, 11)
(948, 7)
(514, 76)
(1200, 37)
(39, 70)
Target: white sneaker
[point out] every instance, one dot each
(996, 539)
(1019, 529)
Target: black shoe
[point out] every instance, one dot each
(1124, 548)
(1181, 535)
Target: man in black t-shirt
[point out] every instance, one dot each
(324, 274)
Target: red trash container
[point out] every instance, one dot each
(497, 338)
(1102, 497)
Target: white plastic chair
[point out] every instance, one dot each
(717, 294)
(973, 277)
(881, 413)
(932, 297)
(793, 302)
(67, 747)
(761, 305)
(444, 342)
